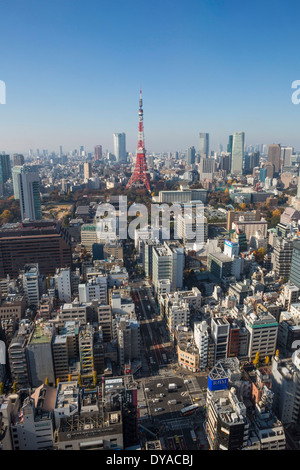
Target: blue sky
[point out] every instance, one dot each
(73, 70)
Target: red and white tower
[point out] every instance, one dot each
(140, 175)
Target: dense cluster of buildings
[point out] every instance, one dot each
(227, 289)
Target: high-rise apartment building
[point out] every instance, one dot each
(120, 147)
(237, 156)
(204, 144)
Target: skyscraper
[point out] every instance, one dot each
(18, 159)
(274, 152)
(203, 144)
(29, 194)
(190, 155)
(237, 156)
(295, 264)
(98, 152)
(120, 147)
(286, 155)
(5, 171)
(87, 170)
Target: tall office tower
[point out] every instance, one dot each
(120, 147)
(286, 155)
(229, 145)
(295, 264)
(98, 152)
(87, 170)
(251, 161)
(207, 168)
(282, 258)
(190, 155)
(237, 156)
(18, 159)
(274, 152)
(270, 169)
(16, 171)
(5, 171)
(203, 144)
(81, 151)
(60, 150)
(225, 162)
(140, 174)
(29, 194)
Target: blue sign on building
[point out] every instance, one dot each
(217, 384)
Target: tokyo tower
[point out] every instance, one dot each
(140, 175)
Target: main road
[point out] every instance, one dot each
(152, 328)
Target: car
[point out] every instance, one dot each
(158, 409)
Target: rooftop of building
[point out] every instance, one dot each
(41, 334)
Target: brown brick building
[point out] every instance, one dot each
(44, 242)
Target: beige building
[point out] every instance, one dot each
(187, 351)
(13, 307)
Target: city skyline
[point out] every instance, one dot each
(80, 81)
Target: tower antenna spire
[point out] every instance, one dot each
(140, 175)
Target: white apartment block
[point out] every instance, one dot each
(63, 284)
(201, 339)
(94, 289)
